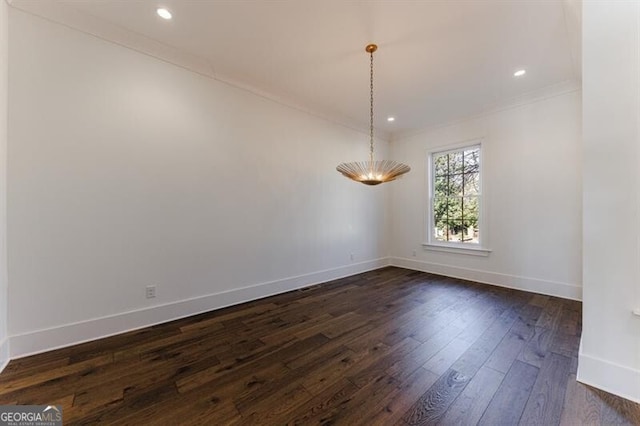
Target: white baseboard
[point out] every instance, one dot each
(551, 288)
(608, 376)
(4, 353)
(71, 334)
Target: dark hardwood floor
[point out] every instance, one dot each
(388, 347)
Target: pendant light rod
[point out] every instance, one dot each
(370, 49)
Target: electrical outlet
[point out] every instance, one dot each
(351, 256)
(151, 291)
(414, 253)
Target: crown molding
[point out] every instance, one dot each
(88, 24)
(104, 30)
(559, 89)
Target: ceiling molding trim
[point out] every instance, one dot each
(88, 24)
(559, 89)
(289, 102)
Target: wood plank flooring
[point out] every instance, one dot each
(388, 347)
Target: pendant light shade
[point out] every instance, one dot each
(372, 172)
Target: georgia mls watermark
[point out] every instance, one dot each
(30, 415)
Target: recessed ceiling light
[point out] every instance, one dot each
(519, 73)
(390, 119)
(163, 13)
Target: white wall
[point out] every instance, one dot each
(4, 70)
(610, 350)
(532, 198)
(126, 171)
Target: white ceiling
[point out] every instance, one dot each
(437, 60)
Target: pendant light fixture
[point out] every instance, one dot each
(372, 172)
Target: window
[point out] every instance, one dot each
(455, 198)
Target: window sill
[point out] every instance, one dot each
(473, 251)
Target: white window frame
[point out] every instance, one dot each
(431, 243)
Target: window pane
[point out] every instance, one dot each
(455, 230)
(470, 231)
(470, 223)
(472, 160)
(440, 231)
(440, 165)
(455, 185)
(471, 209)
(441, 187)
(454, 208)
(471, 183)
(440, 211)
(455, 162)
